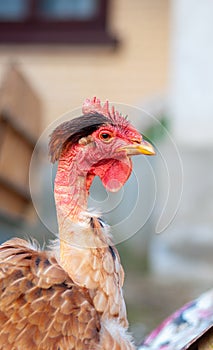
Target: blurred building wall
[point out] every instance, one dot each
(185, 249)
(137, 69)
(192, 71)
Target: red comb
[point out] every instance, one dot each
(94, 105)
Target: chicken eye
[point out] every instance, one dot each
(105, 136)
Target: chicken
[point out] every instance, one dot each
(70, 296)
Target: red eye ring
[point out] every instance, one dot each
(105, 135)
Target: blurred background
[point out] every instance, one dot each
(155, 55)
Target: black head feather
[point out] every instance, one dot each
(72, 131)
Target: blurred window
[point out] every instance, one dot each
(13, 10)
(55, 21)
(68, 9)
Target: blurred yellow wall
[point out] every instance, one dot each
(136, 70)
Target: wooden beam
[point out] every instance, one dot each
(17, 189)
(9, 119)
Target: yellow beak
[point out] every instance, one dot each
(139, 148)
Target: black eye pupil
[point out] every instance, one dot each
(105, 136)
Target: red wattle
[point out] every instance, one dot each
(113, 173)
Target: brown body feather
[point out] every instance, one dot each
(40, 306)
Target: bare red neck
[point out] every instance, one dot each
(70, 191)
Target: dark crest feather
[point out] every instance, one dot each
(72, 131)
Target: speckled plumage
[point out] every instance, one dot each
(40, 306)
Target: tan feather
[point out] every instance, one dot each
(38, 307)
